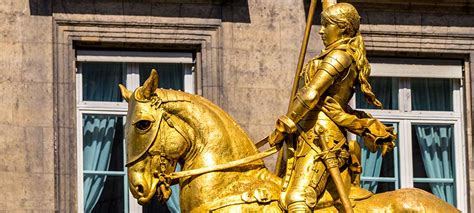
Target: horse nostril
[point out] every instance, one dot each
(140, 189)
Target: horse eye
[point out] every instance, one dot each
(143, 125)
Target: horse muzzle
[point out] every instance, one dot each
(145, 181)
(144, 192)
(142, 184)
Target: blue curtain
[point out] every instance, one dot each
(386, 89)
(371, 167)
(435, 140)
(435, 145)
(100, 82)
(98, 137)
(170, 76)
(432, 94)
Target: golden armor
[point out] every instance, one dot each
(320, 113)
(222, 168)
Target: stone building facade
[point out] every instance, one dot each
(244, 56)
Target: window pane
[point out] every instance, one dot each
(108, 198)
(432, 151)
(432, 94)
(155, 206)
(433, 159)
(171, 76)
(385, 89)
(376, 166)
(378, 187)
(445, 191)
(100, 81)
(102, 143)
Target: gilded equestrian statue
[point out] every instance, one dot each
(166, 127)
(222, 168)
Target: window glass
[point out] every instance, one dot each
(100, 81)
(414, 92)
(445, 191)
(156, 206)
(386, 91)
(380, 174)
(105, 186)
(433, 94)
(102, 154)
(102, 143)
(170, 76)
(111, 198)
(433, 165)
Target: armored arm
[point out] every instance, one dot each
(333, 65)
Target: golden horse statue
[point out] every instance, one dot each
(166, 127)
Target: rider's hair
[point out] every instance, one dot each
(346, 17)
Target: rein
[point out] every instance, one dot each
(194, 172)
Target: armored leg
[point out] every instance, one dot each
(307, 182)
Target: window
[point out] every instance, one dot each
(423, 102)
(102, 176)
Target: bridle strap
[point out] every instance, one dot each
(176, 175)
(178, 129)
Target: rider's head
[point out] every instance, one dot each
(339, 21)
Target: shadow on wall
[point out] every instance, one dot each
(459, 13)
(226, 10)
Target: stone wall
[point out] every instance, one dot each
(26, 115)
(249, 51)
(260, 60)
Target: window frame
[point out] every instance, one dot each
(406, 118)
(131, 59)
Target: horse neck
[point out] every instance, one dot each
(216, 138)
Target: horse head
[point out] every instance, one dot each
(153, 144)
(166, 127)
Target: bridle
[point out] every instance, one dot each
(165, 179)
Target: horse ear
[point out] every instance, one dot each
(150, 85)
(126, 94)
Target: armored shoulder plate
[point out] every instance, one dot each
(335, 62)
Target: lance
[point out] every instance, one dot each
(299, 68)
(304, 44)
(331, 160)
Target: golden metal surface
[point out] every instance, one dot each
(222, 168)
(198, 134)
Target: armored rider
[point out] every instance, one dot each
(319, 115)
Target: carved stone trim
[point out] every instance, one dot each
(204, 35)
(418, 42)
